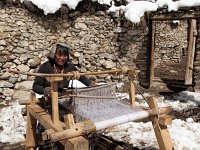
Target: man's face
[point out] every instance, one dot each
(60, 58)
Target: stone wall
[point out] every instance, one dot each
(25, 40)
(170, 41)
(97, 39)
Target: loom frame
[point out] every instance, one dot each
(69, 133)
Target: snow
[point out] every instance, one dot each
(13, 126)
(133, 11)
(185, 134)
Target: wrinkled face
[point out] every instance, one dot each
(61, 57)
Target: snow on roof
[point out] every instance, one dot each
(133, 11)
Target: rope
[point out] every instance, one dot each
(139, 91)
(124, 70)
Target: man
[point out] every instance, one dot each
(58, 63)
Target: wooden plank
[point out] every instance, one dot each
(54, 99)
(179, 15)
(163, 137)
(153, 30)
(191, 52)
(77, 143)
(43, 117)
(132, 93)
(30, 132)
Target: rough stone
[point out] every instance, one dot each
(21, 95)
(5, 84)
(23, 68)
(25, 85)
(8, 92)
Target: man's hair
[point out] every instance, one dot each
(62, 50)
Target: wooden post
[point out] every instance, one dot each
(131, 93)
(77, 143)
(54, 98)
(152, 51)
(31, 127)
(161, 131)
(191, 52)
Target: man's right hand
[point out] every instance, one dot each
(47, 91)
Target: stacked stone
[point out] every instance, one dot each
(25, 40)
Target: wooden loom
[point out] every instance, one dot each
(69, 133)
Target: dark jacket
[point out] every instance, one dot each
(41, 83)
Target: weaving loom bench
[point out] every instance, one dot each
(94, 108)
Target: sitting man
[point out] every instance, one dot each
(58, 63)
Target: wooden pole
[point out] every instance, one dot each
(191, 52)
(30, 132)
(54, 97)
(131, 93)
(152, 51)
(71, 74)
(31, 126)
(161, 131)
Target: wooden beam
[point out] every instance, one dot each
(44, 118)
(161, 131)
(88, 126)
(54, 99)
(71, 74)
(153, 30)
(77, 130)
(179, 15)
(31, 126)
(191, 52)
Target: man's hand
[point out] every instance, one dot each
(47, 91)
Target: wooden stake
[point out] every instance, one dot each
(132, 93)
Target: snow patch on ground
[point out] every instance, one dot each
(12, 124)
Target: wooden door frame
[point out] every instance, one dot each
(191, 51)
